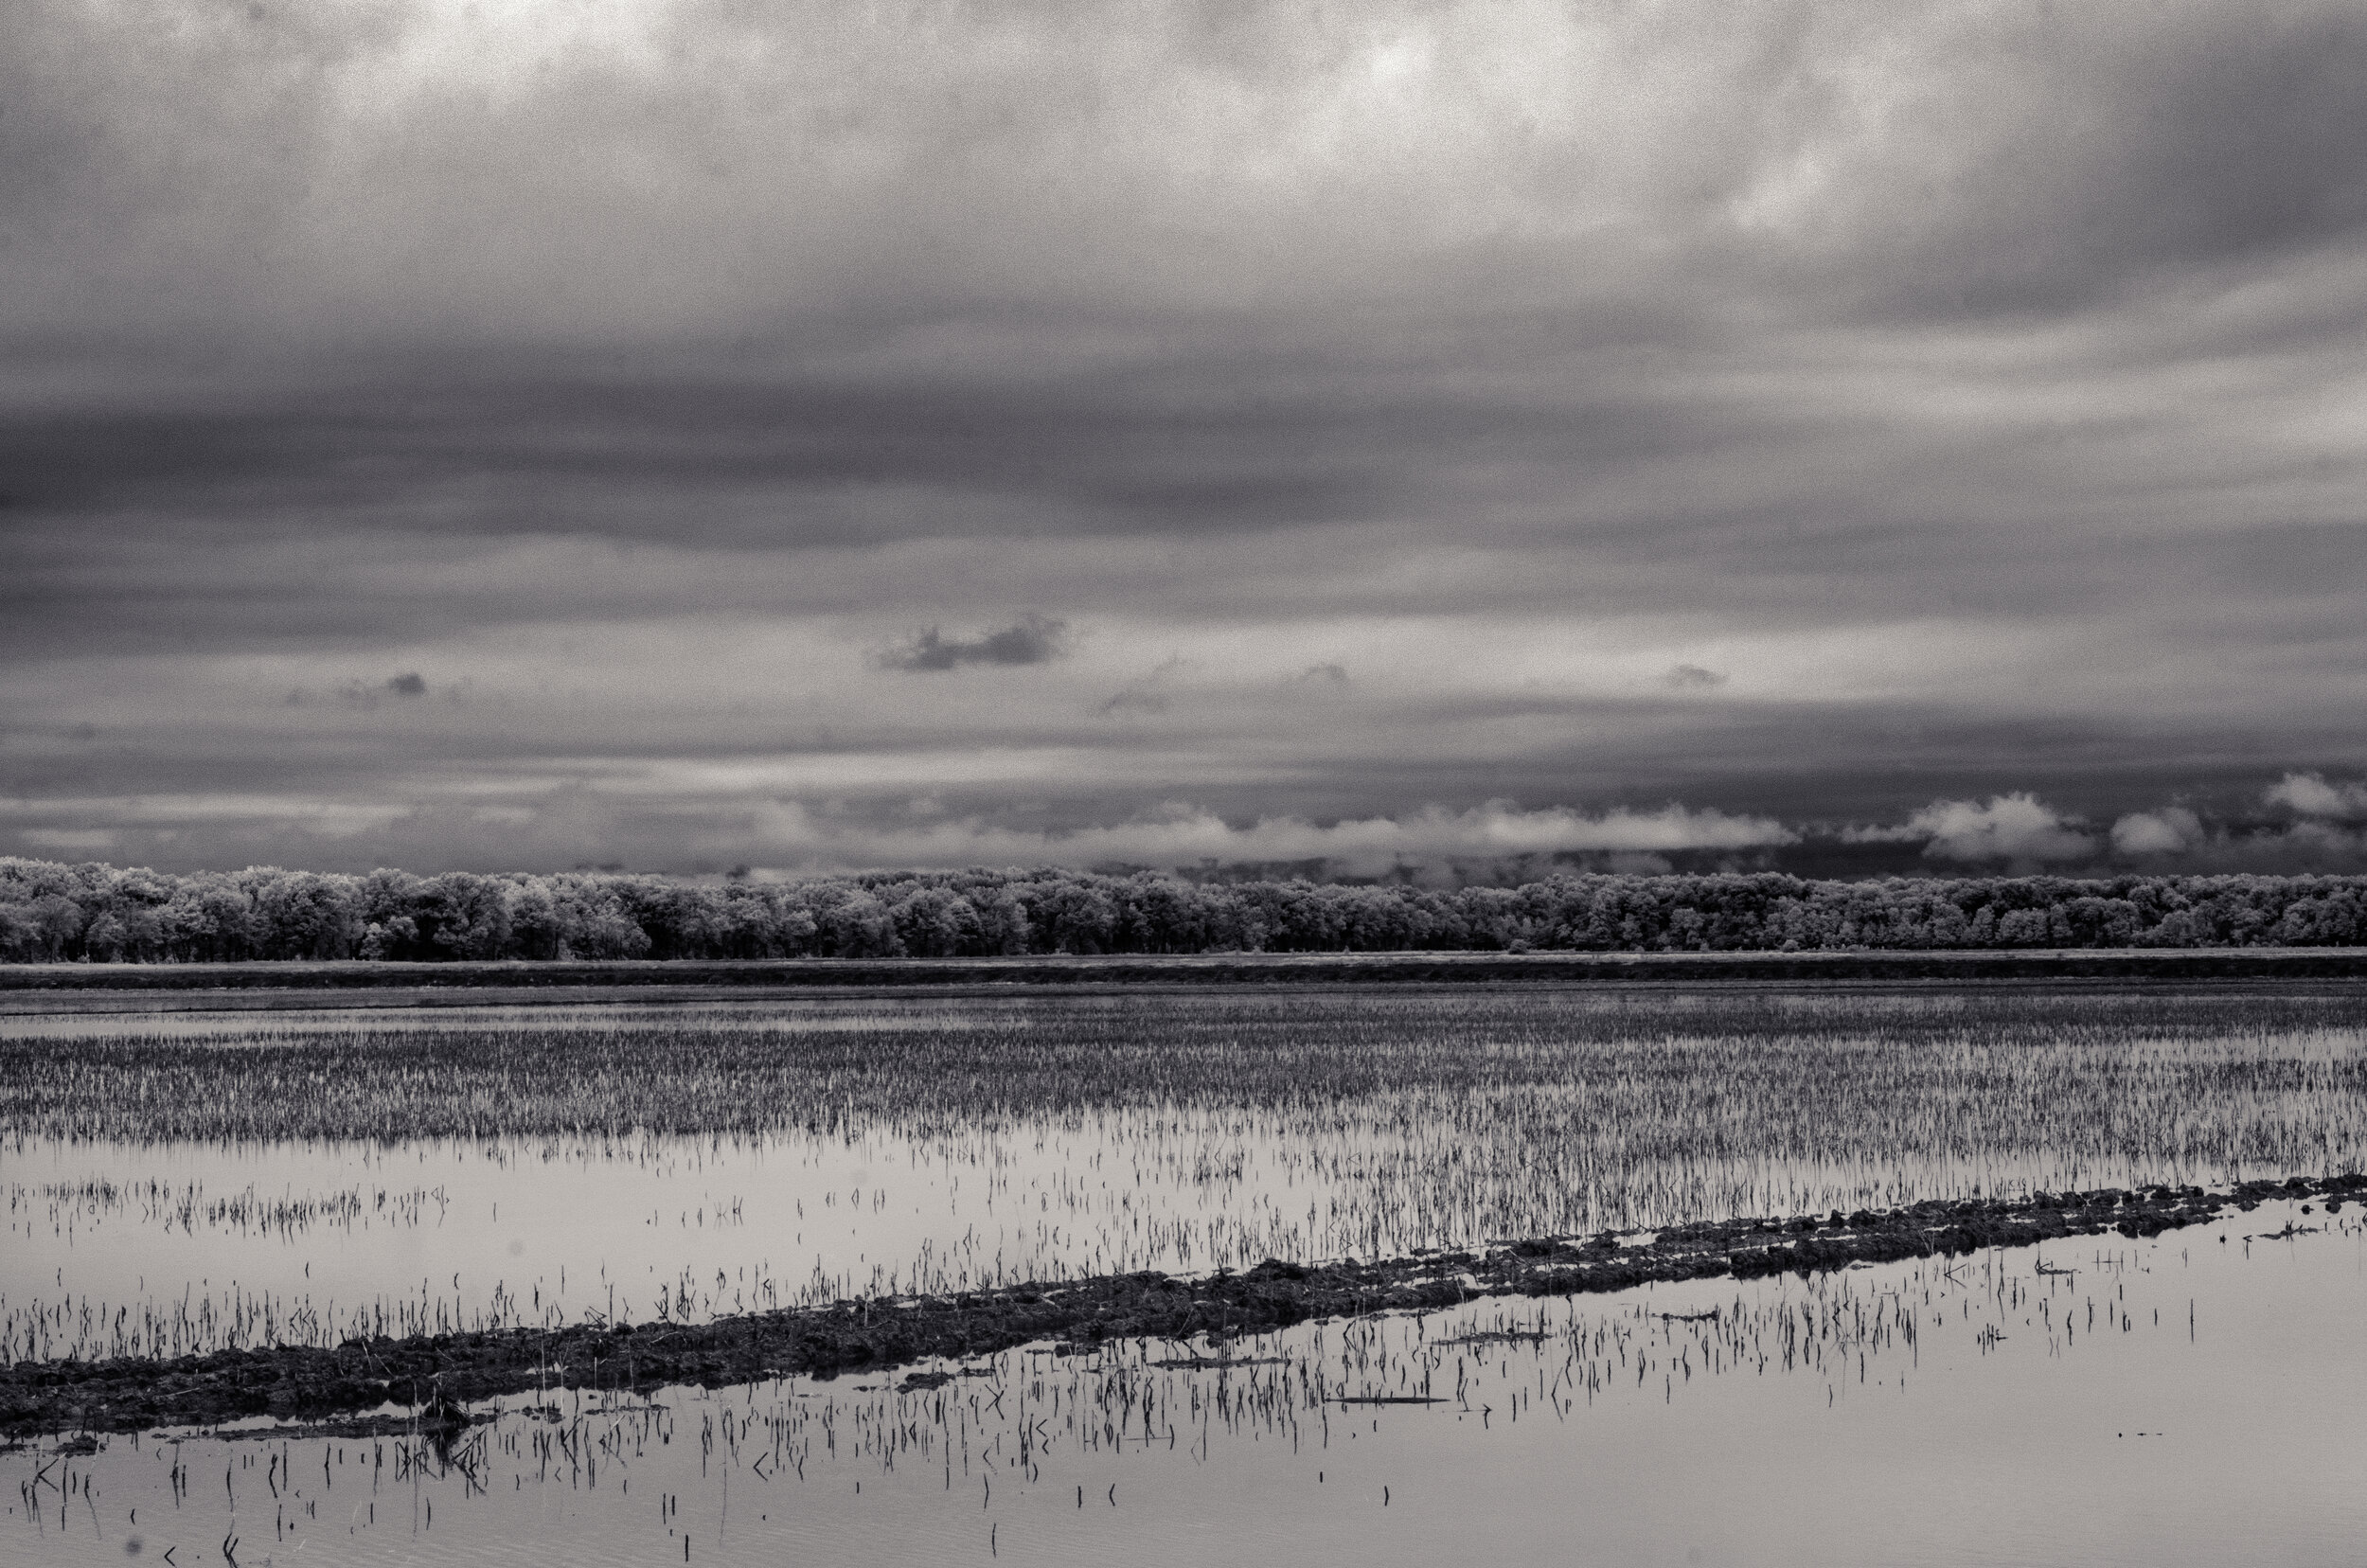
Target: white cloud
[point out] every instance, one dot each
(1899, 833)
(2015, 826)
(2170, 830)
(2312, 796)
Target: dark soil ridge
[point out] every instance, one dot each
(444, 1371)
(1209, 969)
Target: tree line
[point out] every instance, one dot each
(52, 912)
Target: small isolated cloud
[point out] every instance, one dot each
(2172, 831)
(1147, 694)
(2310, 795)
(1034, 639)
(363, 695)
(2015, 826)
(1692, 677)
(1140, 697)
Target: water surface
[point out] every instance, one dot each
(2201, 1399)
(883, 1146)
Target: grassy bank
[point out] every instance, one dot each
(686, 976)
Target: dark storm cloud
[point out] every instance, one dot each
(717, 182)
(2099, 151)
(1826, 413)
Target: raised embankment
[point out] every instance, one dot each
(445, 1371)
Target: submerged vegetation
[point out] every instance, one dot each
(51, 912)
(794, 1154)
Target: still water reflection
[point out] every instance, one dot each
(889, 1145)
(165, 1248)
(2199, 1399)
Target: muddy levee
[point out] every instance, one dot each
(440, 1372)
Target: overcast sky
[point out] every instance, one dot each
(688, 433)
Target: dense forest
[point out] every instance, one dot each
(51, 912)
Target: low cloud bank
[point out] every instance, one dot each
(1180, 834)
(2312, 828)
(2303, 822)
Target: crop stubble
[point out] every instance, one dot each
(1330, 1123)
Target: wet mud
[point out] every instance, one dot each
(442, 1374)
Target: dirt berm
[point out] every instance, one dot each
(312, 1385)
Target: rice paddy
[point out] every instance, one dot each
(2118, 1404)
(185, 1182)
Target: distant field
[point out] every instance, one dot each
(1862, 1066)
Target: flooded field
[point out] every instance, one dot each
(188, 1182)
(185, 1182)
(2198, 1399)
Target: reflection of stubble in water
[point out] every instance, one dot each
(1871, 1415)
